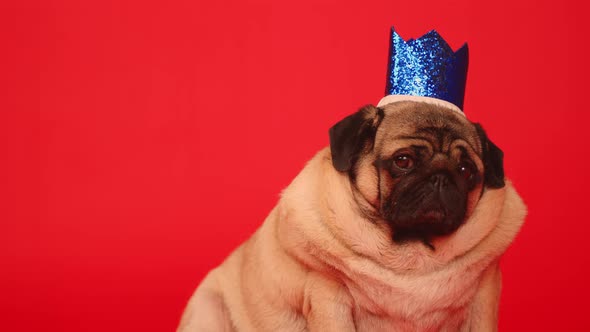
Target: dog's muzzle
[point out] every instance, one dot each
(432, 207)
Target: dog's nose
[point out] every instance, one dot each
(439, 181)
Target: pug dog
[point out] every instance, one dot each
(397, 226)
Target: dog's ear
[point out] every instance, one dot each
(493, 160)
(350, 136)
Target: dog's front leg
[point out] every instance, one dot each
(327, 305)
(206, 310)
(483, 314)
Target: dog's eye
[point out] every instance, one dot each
(466, 170)
(404, 161)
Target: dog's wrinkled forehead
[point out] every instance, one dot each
(437, 125)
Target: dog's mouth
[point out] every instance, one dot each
(433, 216)
(427, 224)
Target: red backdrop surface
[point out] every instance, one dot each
(142, 142)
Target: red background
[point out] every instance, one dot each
(142, 142)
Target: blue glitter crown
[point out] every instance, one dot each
(427, 67)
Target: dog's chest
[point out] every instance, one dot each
(436, 321)
(437, 302)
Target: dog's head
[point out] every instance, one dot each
(419, 167)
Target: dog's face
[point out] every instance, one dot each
(418, 167)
